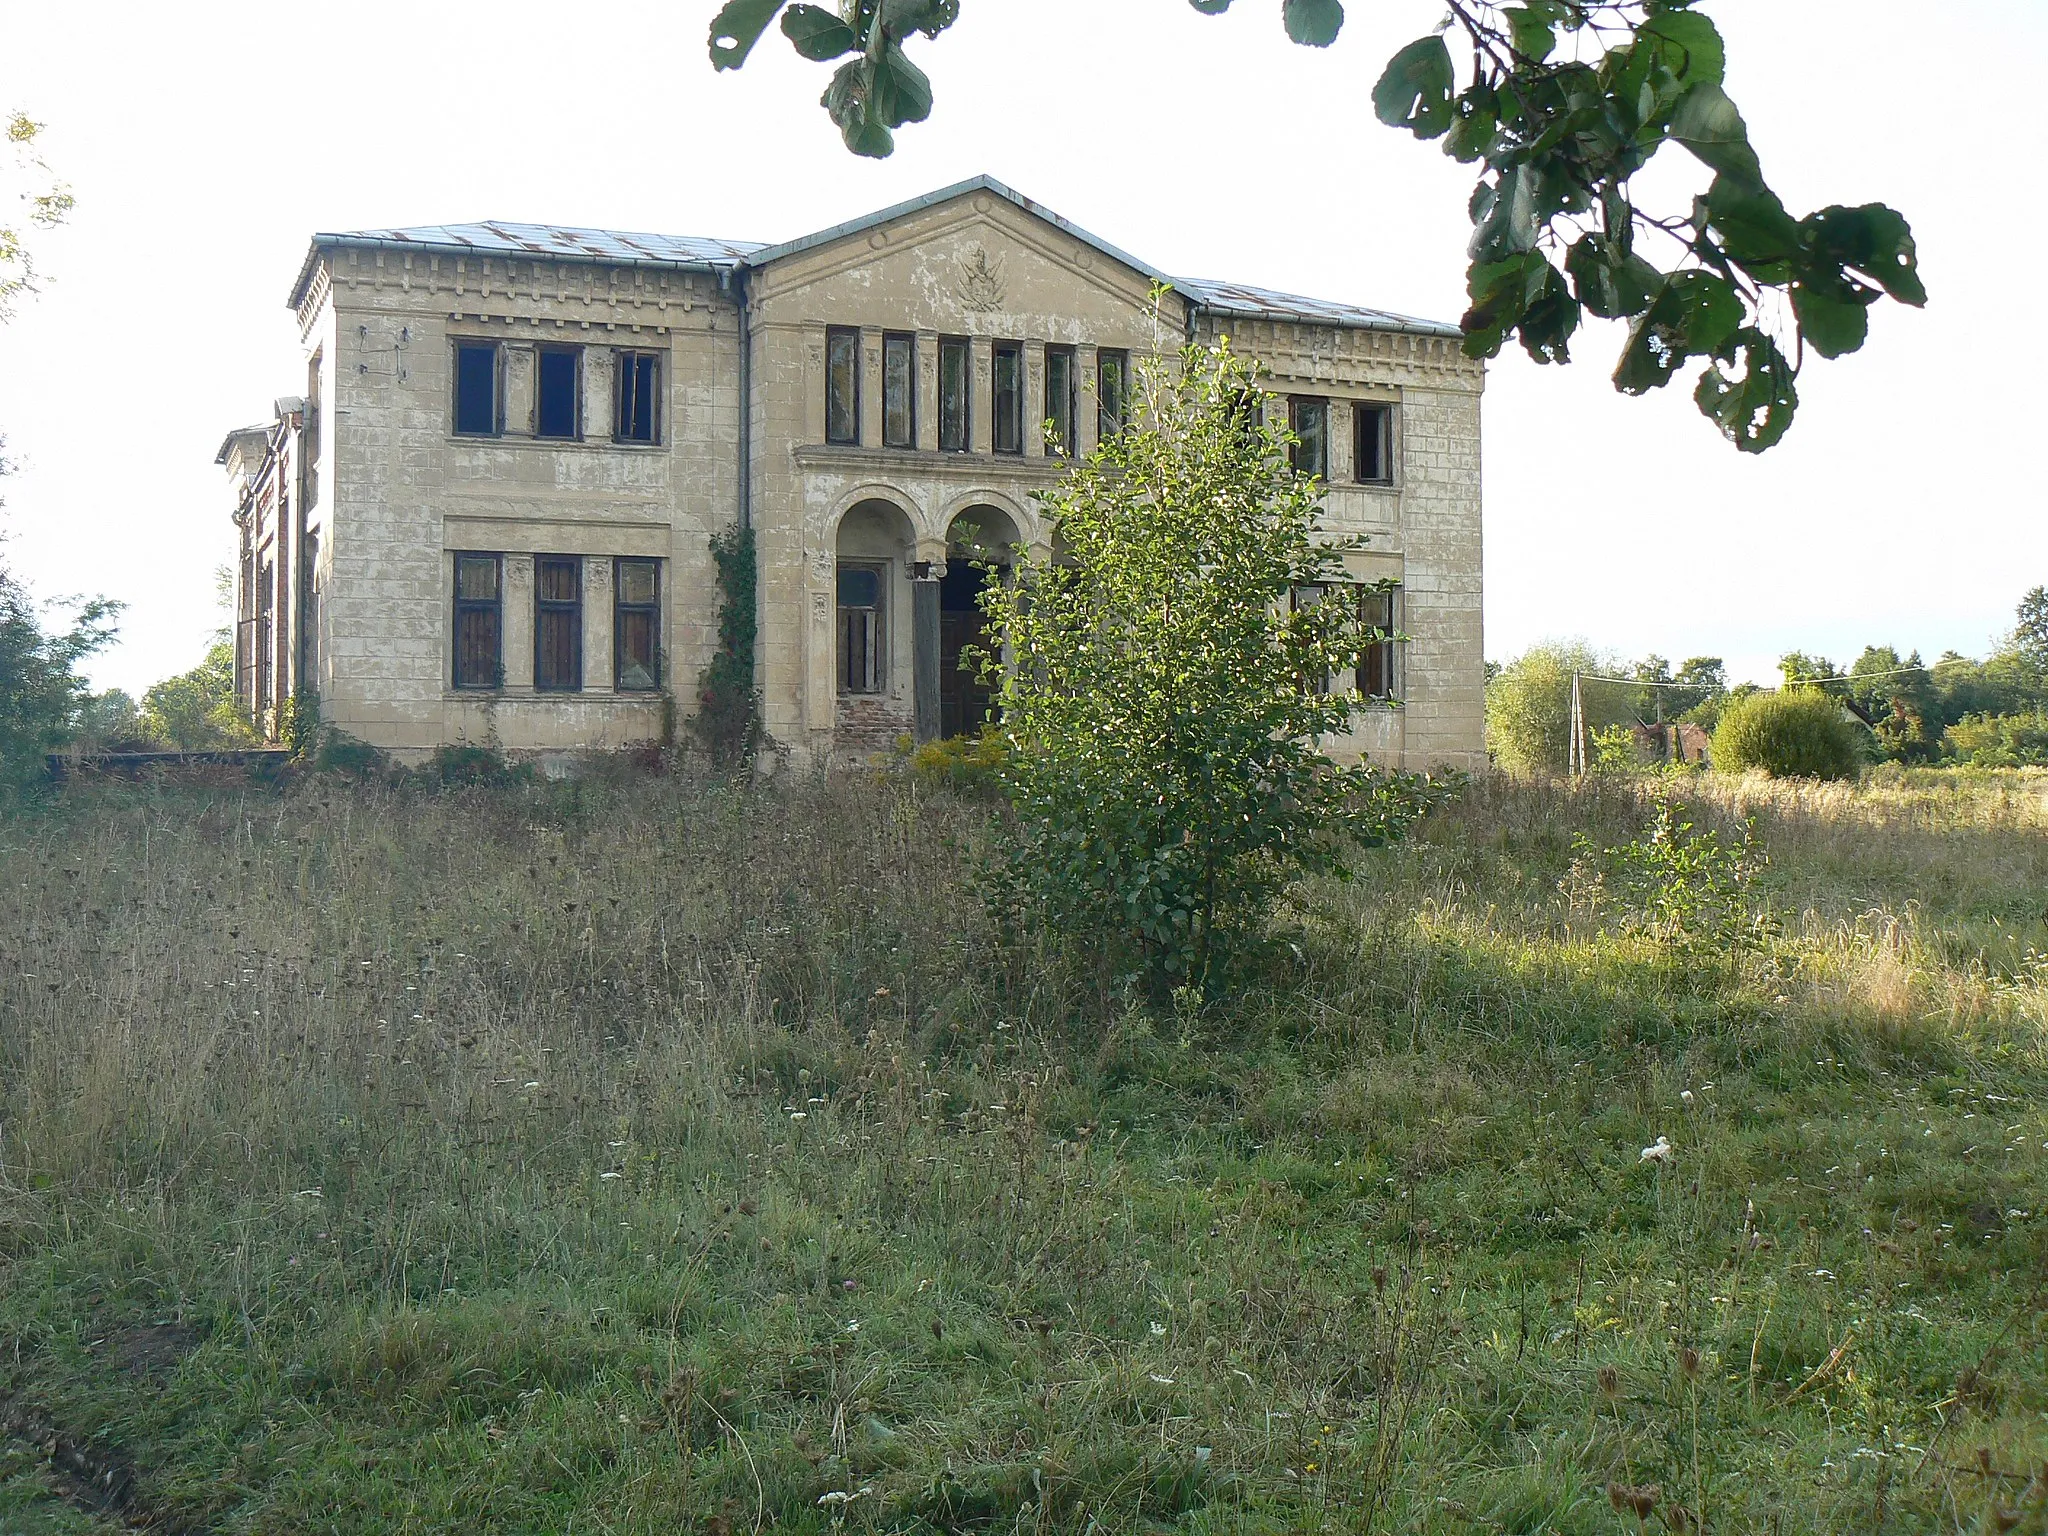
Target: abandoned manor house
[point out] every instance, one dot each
(490, 516)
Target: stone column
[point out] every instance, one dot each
(600, 372)
(1339, 435)
(519, 387)
(928, 391)
(870, 386)
(1034, 399)
(813, 381)
(817, 641)
(981, 399)
(517, 617)
(924, 609)
(597, 624)
(1086, 403)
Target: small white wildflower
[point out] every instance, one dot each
(1164, 1381)
(1159, 1330)
(608, 1175)
(534, 1084)
(1686, 1096)
(1658, 1151)
(854, 1326)
(797, 1114)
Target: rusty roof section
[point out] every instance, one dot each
(1242, 299)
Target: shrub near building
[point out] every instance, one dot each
(1797, 733)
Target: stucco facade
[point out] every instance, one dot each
(513, 436)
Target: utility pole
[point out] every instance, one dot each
(1577, 758)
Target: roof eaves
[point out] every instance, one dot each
(1211, 297)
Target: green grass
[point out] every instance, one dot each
(640, 1155)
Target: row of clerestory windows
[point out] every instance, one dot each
(1007, 402)
(477, 642)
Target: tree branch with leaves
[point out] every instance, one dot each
(1559, 104)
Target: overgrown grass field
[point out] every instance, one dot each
(642, 1155)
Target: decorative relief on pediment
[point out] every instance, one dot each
(982, 281)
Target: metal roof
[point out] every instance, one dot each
(560, 242)
(1264, 304)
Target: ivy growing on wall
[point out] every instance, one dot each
(728, 718)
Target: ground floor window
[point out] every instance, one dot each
(479, 621)
(861, 655)
(1378, 610)
(636, 625)
(558, 623)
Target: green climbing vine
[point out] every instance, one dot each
(728, 718)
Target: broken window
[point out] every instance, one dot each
(558, 393)
(860, 629)
(1377, 613)
(1309, 420)
(558, 623)
(636, 625)
(479, 622)
(638, 392)
(1112, 392)
(1007, 397)
(1059, 400)
(899, 391)
(476, 388)
(1372, 442)
(266, 649)
(956, 364)
(842, 385)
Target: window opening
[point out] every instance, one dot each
(1310, 422)
(1378, 611)
(860, 629)
(1372, 444)
(1059, 400)
(558, 388)
(899, 391)
(558, 623)
(842, 386)
(639, 398)
(956, 361)
(476, 388)
(636, 625)
(1007, 397)
(1112, 392)
(479, 621)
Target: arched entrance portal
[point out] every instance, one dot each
(979, 547)
(871, 642)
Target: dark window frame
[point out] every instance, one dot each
(621, 611)
(906, 343)
(874, 650)
(496, 350)
(1301, 456)
(1381, 413)
(541, 356)
(494, 607)
(1062, 403)
(627, 362)
(834, 335)
(1006, 425)
(1378, 673)
(1112, 402)
(957, 437)
(544, 608)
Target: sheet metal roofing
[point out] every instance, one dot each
(504, 238)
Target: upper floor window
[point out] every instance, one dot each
(637, 393)
(636, 625)
(1309, 420)
(956, 365)
(842, 385)
(1372, 445)
(479, 621)
(558, 393)
(1059, 400)
(476, 389)
(1112, 391)
(899, 391)
(1006, 417)
(558, 623)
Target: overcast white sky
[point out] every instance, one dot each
(206, 142)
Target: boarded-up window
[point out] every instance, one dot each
(476, 388)
(956, 362)
(1112, 392)
(1059, 400)
(479, 621)
(558, 623)
(636, 625)
(1372, 442)
(860, 629)
(638, 417)
(899, 391)
(1006, 417)
(558, 393)
(842, 385)
(1378, 611)
(1309, 420)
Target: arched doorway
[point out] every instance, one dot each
(979, 546)
(873, 632)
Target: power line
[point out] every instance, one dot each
(1835, 677)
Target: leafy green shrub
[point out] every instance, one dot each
(349, 756)
(966, 765)
(1798, 733)
(1677, 886)
(728, 718)
(2000, 741)
(467, 763)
